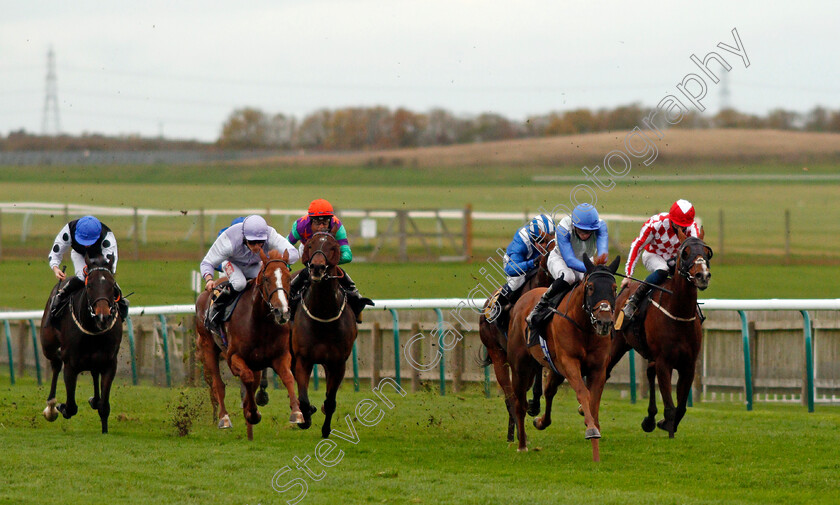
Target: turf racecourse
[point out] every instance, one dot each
(427, 449)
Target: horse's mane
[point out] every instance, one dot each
(600, 260)
(99, 261)
(274, 254)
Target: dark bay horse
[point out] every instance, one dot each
(495, 341)
(86, 337)
(577, 338)
(258, 338)
(670, 335)
(324, 327)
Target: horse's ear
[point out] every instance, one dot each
(110, 262)
(587, 262)
(709, 250)
(263, 257)
(306, 255)
(681, 235)
(285, 256)
(87, 259)
(702, 233)
(614, 265)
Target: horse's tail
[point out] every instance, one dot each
(483, 361)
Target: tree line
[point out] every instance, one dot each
(354, 128)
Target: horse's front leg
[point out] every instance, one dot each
(51, 412)
(335, 374)
(571, 369)
(282, 365)
(250, 380)
(93, 401)
(537, 391)
(649, 423)
(69, 408)
(595, 380)
(104, 403)
(303, 370)
(663, 373)
(522, 379)
(554, 382)
(684, 381)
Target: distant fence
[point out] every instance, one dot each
(752, 349)
(429, 234)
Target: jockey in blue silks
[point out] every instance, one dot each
(582, 232)
(522, 257)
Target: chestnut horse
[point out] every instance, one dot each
(324, 327)
(670, 335)
(258, 338)
(577, 339)
(496, 344)
(86, 337)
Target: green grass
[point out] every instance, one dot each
(427, 449)
(168, 282)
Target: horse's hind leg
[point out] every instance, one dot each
(93, 401)
(283, 367)
(521, 382)
(335, 374)
(663, 373)
(49, 347)
(104, 402)
(213, 377)
(262, 395)
(534, 403)
(649, 423)
(250, 380)
(502, 371)
(554, 382)
(69, 408)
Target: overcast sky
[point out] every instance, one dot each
(181, 67)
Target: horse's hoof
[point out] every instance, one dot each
(510, 439)
(648, 424)
(533, 408)
(296, 417)
(261, 398)
(93, 402)
(580, 410)
(521, 449)
(592, 433)
(325, 433)
(224, 422)
(50, 412)
(538, 423)
(305, 425)
(312, 409)
(254, 418)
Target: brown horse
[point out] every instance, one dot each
(670, 335)
(324, 327)
(258, 338)
(577, 339)
(495, 341)
(86, 337)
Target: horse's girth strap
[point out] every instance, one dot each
(675, 318)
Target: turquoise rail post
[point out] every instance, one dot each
(442, 364)
(355, 370)
(131, 349)
(632, 357)
(396, 345)
(315, 377)
(165, 344)
(809, 360)
(745, 335)
(691, 397)
(35, 350)
(9, 349)
(274, 379)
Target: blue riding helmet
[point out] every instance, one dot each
(540, 225)
(88, 230)
(585, 217)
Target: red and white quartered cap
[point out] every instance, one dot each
(682, 213)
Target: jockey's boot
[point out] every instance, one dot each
(122, 303)
(541, 312)
(62, 296)
(296, 287)
(504, 302)
(217, 308)
(357, 301)
(634, 300)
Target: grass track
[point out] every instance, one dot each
(428, 449)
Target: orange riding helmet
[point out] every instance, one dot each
(320, 207)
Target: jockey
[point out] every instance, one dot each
(85, 236)
(237, 250)
(659, 240)
(321, 218)
(235, 220)
(582, 232)
(522, 257)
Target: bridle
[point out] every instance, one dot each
(588, 300)
(109, 299)
(701, 259)
(267, 297)
(321, 251)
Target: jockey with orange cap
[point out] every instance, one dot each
(659, 240)
(237, 250)
(321, 218)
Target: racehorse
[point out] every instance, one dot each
(258, 338)
(324, 327)
(670, 335)
(577, 343)
(495, 341)
(86, 337)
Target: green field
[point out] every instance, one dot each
(427, 449)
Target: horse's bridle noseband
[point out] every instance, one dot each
(685, 267)
(603, 306)
(324, 254)
(111, 305)
(267, 298)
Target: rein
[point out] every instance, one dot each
(267, 299)
(82, 328)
